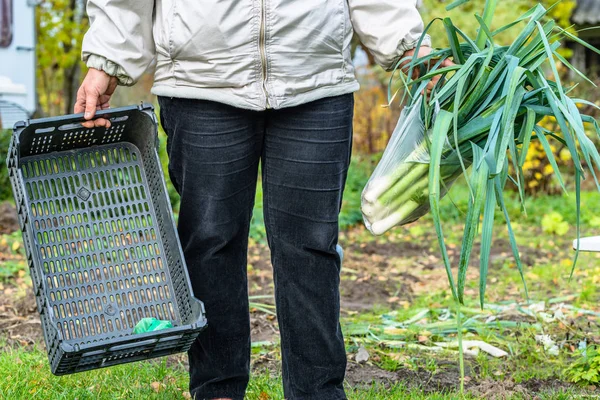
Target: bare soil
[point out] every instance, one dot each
(8, 218)
(19, 320)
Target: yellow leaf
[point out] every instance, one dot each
(16, 246)
(263, 396)
(156, 386)
(390, 330)
(532, 276)
(566, 262)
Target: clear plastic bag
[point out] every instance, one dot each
(397, 192)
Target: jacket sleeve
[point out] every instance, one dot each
(387, 28)
(119, 40)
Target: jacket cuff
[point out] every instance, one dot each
(409, 45)
(113, 69)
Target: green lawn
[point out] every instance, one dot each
(26, 376)
(391, 280)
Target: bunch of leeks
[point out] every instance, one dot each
(483, 114)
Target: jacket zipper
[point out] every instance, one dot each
(262, 45)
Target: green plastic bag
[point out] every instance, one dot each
(151, 324)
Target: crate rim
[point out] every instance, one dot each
(139, 337)
(79, 117)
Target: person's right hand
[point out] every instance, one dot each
(94, 94)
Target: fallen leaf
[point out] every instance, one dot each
(394, 331)
(186, 395)
(362, 355)
(263, 396)
(156, 386)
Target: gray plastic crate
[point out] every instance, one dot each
(100, 239)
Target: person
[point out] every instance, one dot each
(242, 83)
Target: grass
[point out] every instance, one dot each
(5, 188)
(26, 376)
(454, 209)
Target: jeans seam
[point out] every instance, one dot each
(270, 227)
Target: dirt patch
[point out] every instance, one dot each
(498, 390)
(263, 327)
(447, 380)
(8, 218)
(530, 389)
(364, 295)
(266, 363)
(365, 375)
(366, 278)
(552, 385)
(19, 321)
(405, 249)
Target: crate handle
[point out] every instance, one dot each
(119, 119)
(78, 118)
(132, 345)
(68, 127)
(78, 125)
(45, 130)
(72, 121)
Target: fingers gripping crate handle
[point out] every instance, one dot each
(57, 122)
(25, 131)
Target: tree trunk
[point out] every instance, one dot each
(71, 75)
(70, 87)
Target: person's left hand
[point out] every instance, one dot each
(423, 52)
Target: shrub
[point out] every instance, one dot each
(586, 369)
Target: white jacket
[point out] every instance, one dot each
(253, 54)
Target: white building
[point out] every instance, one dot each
(587, 15)
(17, 61)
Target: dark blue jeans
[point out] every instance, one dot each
(214, 152)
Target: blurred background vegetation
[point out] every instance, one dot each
(61, 25)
